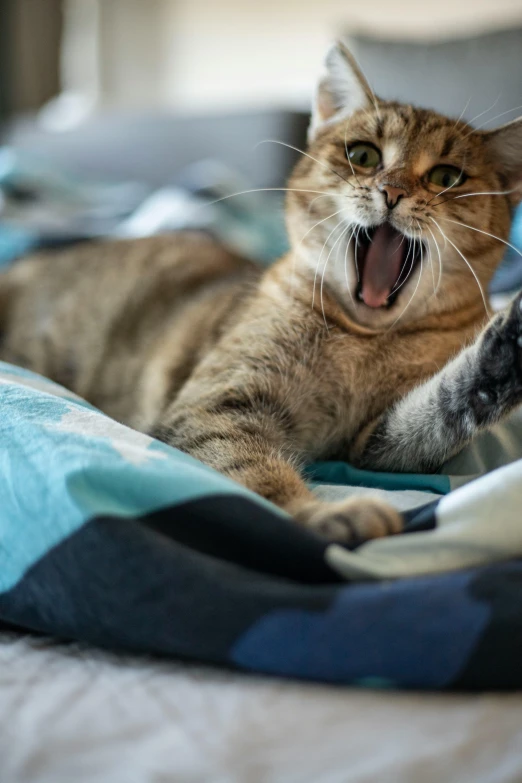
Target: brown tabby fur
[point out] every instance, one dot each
(177, 336)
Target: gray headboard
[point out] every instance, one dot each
(485, 69)
(155, 147)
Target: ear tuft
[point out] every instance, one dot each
(341, 90)
(505, 144)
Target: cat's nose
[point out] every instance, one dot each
(392, 194)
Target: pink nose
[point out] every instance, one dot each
(392, 194)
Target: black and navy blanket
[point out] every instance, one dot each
(112, 538)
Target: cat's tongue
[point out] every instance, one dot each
(382, 265)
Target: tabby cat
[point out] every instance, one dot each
(366, 342)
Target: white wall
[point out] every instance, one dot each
(201, 54)
(260, 51)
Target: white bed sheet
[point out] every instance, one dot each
(70, 714)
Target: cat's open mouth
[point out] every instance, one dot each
(385, 259)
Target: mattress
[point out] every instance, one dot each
(71, 713)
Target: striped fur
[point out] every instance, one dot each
(259, 374)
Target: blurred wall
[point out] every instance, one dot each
(243, 51)
(222, 54)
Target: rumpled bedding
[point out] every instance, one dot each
(111, 538)
(42, 207)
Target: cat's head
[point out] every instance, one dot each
(378, 208)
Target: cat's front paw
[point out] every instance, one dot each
(351, 522)
(497, 384)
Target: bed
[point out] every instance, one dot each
(160, 623)
(74, 713)
(182, 690)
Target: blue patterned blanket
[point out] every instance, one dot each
(110, 537)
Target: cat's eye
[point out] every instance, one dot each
(446, 176)
(365, 155)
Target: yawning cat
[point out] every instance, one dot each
(364, 342)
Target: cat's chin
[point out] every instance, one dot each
(401, 309)
(376, 319)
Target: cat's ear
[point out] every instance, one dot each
(505, 144)
(341, 90)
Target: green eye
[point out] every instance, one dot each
(446, 176)
(364, 155)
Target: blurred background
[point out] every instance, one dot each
(123, 117)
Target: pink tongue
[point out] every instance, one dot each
(382, 265)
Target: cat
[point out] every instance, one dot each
(368, 341)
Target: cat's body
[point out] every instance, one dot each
(124, 324)
(257, 374)
(138, 326)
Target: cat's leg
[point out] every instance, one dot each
(435, 420)
(239, 437)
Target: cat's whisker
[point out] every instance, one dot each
(295, 254)
(486, 233)
(374, 97)
(343, 232)
(410, 301)
(402, 240)
(478, 193)
(348, 158)
(367, 112)
(353, 172)
(408, 273)
(429, 256)
(488, 193)
(323, 195)
(358, 229)
(440, 261)
(443, 235)
(468, 265)
(319, 260)
(263, 190)
(485, 111)
(319, 222)
(302, 152)
(462, 113)
(492, 119)
(399, 280)
(346, 265)
(432, 266)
